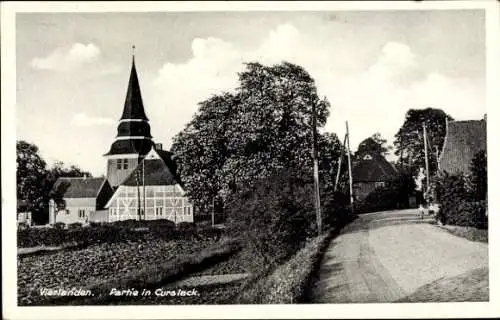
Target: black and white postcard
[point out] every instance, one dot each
(250, 159)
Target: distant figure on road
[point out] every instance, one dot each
(419, 190)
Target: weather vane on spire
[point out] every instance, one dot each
(133, 50)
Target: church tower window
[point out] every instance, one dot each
(119, 164)
(125, 164)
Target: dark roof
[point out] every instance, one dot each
(140, 146)
(376, 169)
(134, 128)
(157, 172)
(77, 187)
(134, 108)
(463, 140)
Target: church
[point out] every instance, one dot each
(142, 176)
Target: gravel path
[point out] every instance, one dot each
(387, 256)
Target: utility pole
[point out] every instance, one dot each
(426, 158)
(143, 189)
(339, 167)
(350, 169)
(138, 196)
(317, 203)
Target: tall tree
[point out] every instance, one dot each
(409, 141)
(376, 143)
(30, 172)
(239, 138)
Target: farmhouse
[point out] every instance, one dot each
(79, 200)
(152, 191)
(371, 171)
(463, 140)
(143, 175)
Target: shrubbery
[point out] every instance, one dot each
(276, 216)
(463, 198)
(120, 231)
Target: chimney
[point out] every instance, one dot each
(485, 117)
(158, 146)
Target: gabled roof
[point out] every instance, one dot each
(463, 140)
(77, 187)
(372, 168)
(159, 170)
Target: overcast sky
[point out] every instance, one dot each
(72, 69)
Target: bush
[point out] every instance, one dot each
(274, 217)
(75, 225)
(22, 225)
(458, 205)
(468, 214)
(60, 225)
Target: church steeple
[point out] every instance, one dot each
(133, 139)
(134, 108)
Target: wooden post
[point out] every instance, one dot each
(426, 158)
(317, 203)
(349, 164)
(144, 189)
(138, 197)
(339, 167)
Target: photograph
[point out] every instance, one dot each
(248, 155)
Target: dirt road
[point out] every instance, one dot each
(395, 256)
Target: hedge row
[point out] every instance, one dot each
(465, 214)
(152, 276)
(288, 283)
(123, 231)
(459, 206)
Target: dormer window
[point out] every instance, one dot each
(367, 157)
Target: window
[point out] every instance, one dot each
(367, 157)
(159, 211)
(379, 184)
(81, 213)
(125, 164)
(119, 164)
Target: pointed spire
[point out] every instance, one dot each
(134, 108)
(133, 132)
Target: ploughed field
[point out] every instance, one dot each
(81, 268)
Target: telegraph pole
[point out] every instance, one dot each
(350, 169)
(138, 196)
(339, 166)
(426, 158)
(317, 203)
(143, 189)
